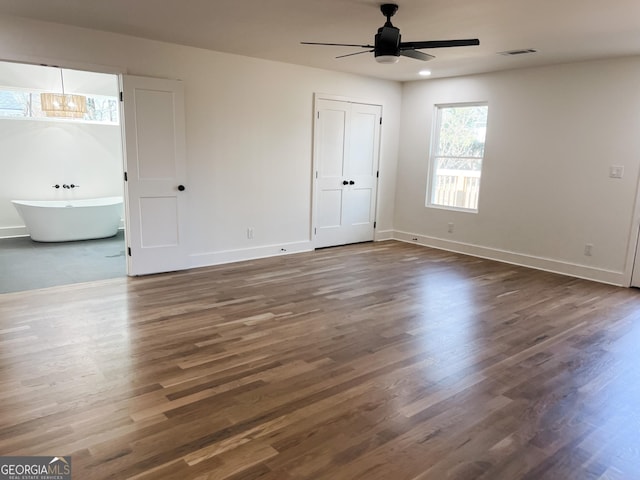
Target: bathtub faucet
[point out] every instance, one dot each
(68, 186)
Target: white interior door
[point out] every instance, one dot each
(346, 152)
(155, 164)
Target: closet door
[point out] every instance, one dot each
(346, 154)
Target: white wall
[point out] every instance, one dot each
(36, 154)
(552, 134)
(249, 131)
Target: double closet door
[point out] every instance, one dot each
(346, 155)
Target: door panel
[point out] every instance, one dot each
(331, 146)
(159, 221)
(334, 141)
(346, 150)
(360, 210)
(330, 209)
(154, 133)
(156, 146)
(363, 168)
(363, 150)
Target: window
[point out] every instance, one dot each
(456, 156)
(26, 104)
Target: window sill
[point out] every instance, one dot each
(454, 209)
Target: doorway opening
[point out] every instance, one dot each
(58, 158)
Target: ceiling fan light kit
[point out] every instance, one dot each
(387, 59)
(388, 47)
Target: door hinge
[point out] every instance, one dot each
(374, 224)
(122, 96)
(125, 177)
(315, 231)
(378, 174)
(129, 251)
(316, 174)
(318, 115)
(380, 120)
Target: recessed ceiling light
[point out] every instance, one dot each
(424, 73)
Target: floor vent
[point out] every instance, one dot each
(524, 51)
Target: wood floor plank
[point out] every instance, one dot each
(372, 361)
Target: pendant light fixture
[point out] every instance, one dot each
(63, 105)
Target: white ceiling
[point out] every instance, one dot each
(561, 30)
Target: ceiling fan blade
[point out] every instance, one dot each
(416, 54)
(337, 44)
(469, 42)
(356, 53)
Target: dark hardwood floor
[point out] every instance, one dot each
(375, 361)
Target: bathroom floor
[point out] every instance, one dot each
(28, 265)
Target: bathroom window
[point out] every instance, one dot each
(26, 104)
(457, 153)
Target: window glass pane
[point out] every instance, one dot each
(27, 104)
(456, 185)
(457, 164)
(462, 131)
(13, 104)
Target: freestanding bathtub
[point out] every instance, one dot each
(69, 220)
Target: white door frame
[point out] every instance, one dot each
(88, 67)
(315, 166)
(633, 258)
(633, 243)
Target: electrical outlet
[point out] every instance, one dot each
(588, 249)
(450, 228)
(616, 171)
(250, 233)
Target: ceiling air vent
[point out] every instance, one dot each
(523, 51)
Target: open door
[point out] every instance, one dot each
(155, 174)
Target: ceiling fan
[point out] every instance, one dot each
(388, 48)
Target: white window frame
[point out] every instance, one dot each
(433, 156)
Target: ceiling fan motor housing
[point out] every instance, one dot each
(387, 41)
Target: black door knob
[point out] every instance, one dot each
(181, 188)
(344, 182)
(351, 182)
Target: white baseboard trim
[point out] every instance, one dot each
(382, 235)
(238, 255)
(9, 232)
(540, 263)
